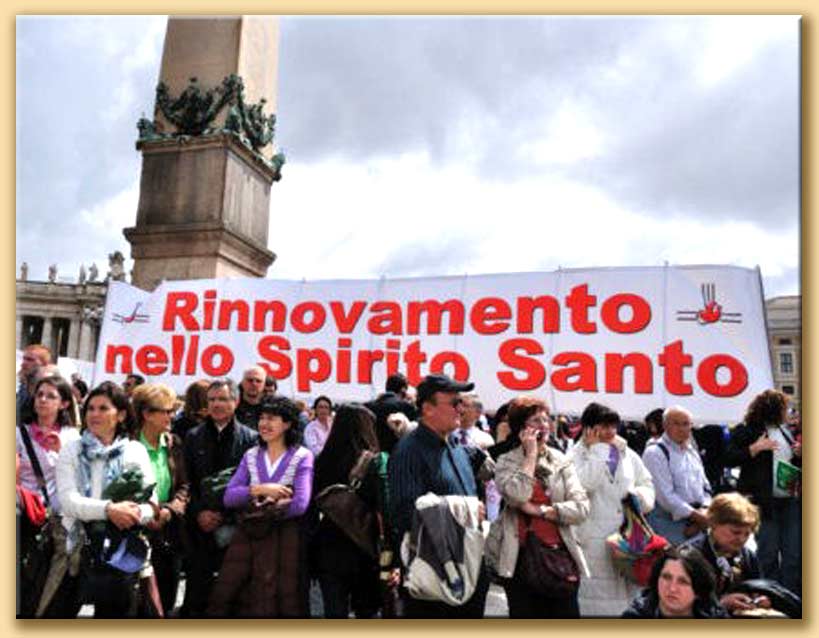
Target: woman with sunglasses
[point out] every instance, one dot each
(154, 407)
(51, 429)
(542, 496)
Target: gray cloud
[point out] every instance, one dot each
(424, 258)
(375, 86)
(76, 129)
(362, 87)
(732, 152)
(470, 92)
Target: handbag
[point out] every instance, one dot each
(341, 503)
(635, 547)
(548, 569)
(259, 519)
(36, 542)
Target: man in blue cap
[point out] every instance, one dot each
(425, 461)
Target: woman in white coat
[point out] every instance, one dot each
(608, 470)
(85, 467)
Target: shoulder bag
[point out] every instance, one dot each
(342, 504)
(548, 569)
(36, 553)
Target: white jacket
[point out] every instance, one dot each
(606, 593)
(77, 507)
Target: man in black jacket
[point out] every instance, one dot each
(217, 444)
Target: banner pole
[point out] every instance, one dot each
(765, 319)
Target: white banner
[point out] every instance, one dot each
(69, 366)
(632, 338)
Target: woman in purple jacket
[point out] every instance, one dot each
(264, 573)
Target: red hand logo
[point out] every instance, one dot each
(710, 314)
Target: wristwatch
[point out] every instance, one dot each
(543, 511)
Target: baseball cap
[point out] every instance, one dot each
(433, 383)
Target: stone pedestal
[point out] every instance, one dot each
(203, 211)
(204, 197)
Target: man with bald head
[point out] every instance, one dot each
(252, 391)
(682, 488)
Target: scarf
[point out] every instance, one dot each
(729, 568)
(91, 449)
(39, 434)
(614, 459)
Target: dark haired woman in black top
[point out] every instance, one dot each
(348, 576)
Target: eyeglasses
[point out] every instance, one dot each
(48, 395)
(455, 402)
(542, 420)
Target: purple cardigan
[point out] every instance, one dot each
(237, 494)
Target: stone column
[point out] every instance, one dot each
(74, 338)
(84, 351)
(18, 332)
(47, 337)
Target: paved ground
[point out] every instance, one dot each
(495, 603)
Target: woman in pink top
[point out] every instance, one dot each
(318, 430)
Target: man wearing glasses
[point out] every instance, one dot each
(211, 447)
(425, 461)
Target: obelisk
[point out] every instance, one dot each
(208, 160)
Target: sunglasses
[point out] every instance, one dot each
(169, 412)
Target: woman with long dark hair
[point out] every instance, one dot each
(348, 576)
(85, 468)
(264, 572)
(52, 428)
(766, 450)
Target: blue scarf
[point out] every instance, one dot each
(614, 459)
(91, 449)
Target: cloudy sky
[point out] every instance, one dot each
(449, 145)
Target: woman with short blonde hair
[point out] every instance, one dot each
(154, 405)
(732, 508)
(732, 518)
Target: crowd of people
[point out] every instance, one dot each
(410, 505)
